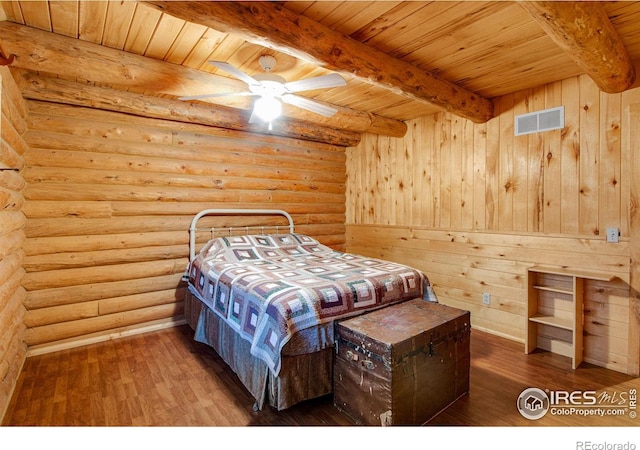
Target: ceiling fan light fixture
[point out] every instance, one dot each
(267, 108)
(272, 90)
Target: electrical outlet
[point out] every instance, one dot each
(486, 298)
(613, 235)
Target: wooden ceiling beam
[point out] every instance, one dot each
(38, 50)
(272, 25)
(583, 30)
(41, 87)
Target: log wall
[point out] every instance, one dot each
(12, 236)
(109, 200)
(474, 206)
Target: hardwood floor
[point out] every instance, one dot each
(165, 378)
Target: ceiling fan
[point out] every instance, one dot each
(273, 90)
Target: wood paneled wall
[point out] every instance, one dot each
(474, 206)
(12, 236)
(109, 200)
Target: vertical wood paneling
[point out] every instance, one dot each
(456, 174)
(417, 171)
(630, 104)
(506, 177)
(570, 165)
(560, 181)
(443, 156)
(369, 159)
(406, 179)
(479, 152)
(12, 237)
(521, 206)
(610, 158)
(432, 203)
(553, 199)
(491, 182)
(632, 136)
(589, 157)
(385, 178)
(468, 170)
(536, 170)
(564, 186)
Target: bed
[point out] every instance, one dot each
(267, 301)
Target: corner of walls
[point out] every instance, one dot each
(12, 237)
(474, 206)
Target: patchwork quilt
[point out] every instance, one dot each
(268, 287)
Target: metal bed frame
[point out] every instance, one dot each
(304, 376)
(233, 212)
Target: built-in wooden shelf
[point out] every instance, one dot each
(562, 294)
(553, 321)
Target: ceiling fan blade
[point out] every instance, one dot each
(224, 94)
(322, 82)
(309, 105)
(239, 74)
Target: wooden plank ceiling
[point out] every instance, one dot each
(401, 59)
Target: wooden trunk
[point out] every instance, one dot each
(403, 364)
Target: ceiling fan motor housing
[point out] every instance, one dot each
(270, 83)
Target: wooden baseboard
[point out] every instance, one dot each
(106, 336)
(11, 391)
(497, 333)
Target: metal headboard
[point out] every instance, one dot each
(231, 212)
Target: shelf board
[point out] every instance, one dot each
(554, 289)
(553, 321)
(579, 273)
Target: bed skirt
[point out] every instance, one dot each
(301, 377)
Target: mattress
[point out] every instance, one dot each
(269, 288)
